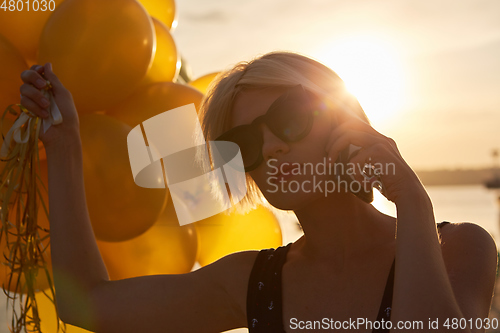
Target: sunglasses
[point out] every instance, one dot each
(290, 118)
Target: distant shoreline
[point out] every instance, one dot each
(455, 177)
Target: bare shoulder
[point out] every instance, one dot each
(467, 240)
(232, 270)
(470, 256)
(237, 262)
(233, 273)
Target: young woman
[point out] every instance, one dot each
(354, 269)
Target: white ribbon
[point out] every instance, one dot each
(55, 118)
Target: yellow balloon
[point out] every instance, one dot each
(24, 27)
(166, 248)
(12, 65)
(152, 100)
(163, 10)
(119, 209)
(48, 319)
(223, 234)
(100, 50)
(167, 62)
(203, 82)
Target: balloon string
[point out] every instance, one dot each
(18, 195)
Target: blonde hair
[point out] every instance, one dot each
(272, 70)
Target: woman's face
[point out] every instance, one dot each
(296, 189)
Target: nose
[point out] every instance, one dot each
(273, 147)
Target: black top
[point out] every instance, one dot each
(264, 309)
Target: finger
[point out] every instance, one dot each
(33, 107)
(356, 125)
(37, 68)
(392, 143)
(353, 125)
(346, 127)
(57, 86)
(357, 163)
(35, 95)
(357, 138)
(34, 78)
(369, 164)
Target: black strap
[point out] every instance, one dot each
(264, 295)
(384, 312)
(440, 224)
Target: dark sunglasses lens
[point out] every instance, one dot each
(290, 119)
(250, 143)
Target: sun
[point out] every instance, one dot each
(371, 70)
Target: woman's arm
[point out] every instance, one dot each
(425, 287)
(76, 261)
(210, 299)
(201, 301)
(447, 285)
(207, 300)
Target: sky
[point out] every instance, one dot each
(426, 72)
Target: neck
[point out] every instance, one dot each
(340, 227)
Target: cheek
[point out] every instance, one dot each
(259, 176)
(315, 143)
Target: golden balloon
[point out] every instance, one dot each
(167, 62)
(154, 99)
(202, 83)
(163, 10)
(165, 248)
(119, 209)
(100, 50)
(12, 65)
(23, 28)
(224, 234)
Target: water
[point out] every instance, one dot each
(471, 203)
(468, 203)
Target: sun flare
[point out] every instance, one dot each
(371, 70)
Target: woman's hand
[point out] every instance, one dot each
(398, 179)
(33, 100)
